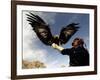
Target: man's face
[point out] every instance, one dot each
(75, 43)
(43, 32)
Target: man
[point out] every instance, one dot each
(78, 55)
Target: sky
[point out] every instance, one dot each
(34, 49)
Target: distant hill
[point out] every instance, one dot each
(33, 64)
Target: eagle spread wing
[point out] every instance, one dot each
(41, 29)
(67, 32)
(43, 32)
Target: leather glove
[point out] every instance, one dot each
(55, 46)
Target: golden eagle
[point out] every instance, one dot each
(43, 32)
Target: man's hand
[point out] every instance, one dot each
(55, 46)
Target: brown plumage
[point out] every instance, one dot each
(43, 31)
